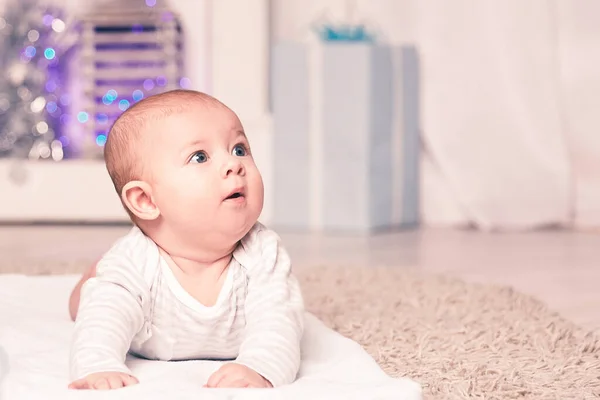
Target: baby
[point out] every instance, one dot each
(197, 277)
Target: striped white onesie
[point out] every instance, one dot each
(136, 304)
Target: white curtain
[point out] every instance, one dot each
(579, 63)
(509, 94)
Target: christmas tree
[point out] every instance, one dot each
(34, 35)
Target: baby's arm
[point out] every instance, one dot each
(274, 315)
(110, 314)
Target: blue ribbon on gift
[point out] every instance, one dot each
(347, 33)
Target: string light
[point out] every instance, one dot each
(82, 117)
(33, 35)
(47, 20)
(123, 105)
(51, 107)
(30, 51)
(49, 53)
(101, 140)
(137, 95)
(58, 25)
(148, 84)
(38, 58)
(102, 118)
(185, 83)
(51, 86)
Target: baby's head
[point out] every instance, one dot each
(181, 163)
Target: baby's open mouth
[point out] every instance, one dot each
(235, 195)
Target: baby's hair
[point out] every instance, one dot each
(123, 144)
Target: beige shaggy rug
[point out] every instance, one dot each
(459, 340)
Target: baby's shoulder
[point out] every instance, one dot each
(259, 242)
(259, 237)
(134, 252)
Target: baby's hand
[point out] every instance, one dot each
(104, 380)
(234, 375)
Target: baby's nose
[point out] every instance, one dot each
(233, 167)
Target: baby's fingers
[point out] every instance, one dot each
(104, 381)
(79, 384)
(239, 383)
(102, 384)
(118, 381)
(129, 380)
(216, 378)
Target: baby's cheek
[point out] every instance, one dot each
(257, 189)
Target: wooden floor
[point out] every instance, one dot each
(561, 268)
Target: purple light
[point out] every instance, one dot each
(51, 107)
(48, 19)
(30, 51)
(65, 100)
(148, 84)
(137, 95)
(102, 118)
(161, 81)
(137, 28)
(65, 119)
(185, 83)
(51, 86)
(64, 140)
(150, 3)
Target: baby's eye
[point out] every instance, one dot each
(239, 150)
(199, 157)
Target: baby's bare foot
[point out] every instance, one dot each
(76, 293)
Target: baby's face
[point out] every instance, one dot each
(203, 177)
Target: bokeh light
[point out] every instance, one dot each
(49, 53)
(102, 118)
(123, 105)
(58, 25)
(30, 51)
(47, 19)
(138, 95)
(148, 84)
(185, 83)
(51, 107)
(101, 140)
(51, 86)
(82, 117)
(33, 35)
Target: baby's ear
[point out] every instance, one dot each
(137, 197)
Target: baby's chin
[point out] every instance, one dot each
(239, 225)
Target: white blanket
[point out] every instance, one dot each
(35, 330)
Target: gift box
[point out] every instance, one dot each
(346, 136)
